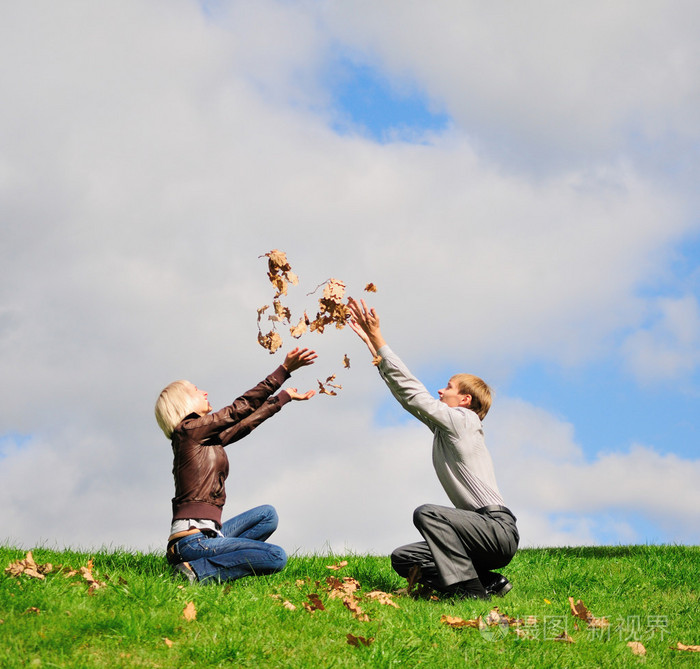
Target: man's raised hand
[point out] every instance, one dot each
(365, 322)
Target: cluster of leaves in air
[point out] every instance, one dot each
(28, 567)
(332, 310)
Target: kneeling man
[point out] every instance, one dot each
(463, 544)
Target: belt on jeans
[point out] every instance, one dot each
(170, 553)
(494, 508)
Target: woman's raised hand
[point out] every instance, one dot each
(299, 357)
(294, 395)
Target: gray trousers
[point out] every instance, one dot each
(459, 545)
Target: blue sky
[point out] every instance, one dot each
(526, 205)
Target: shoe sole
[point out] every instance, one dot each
(504, 590)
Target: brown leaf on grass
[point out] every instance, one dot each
(495, 617)
(454, 621)
(168, 642)
(316, 603)
(346, 361)
(93, 583)
(189, 613)
(35, 610)
(637, 648)
(682, 646)
(382, 597)
(286, 603)
(564, 637)
(358, 640)
(579, 610)
(29, 567)
(353, 606)
(345, 588)
(339, 565)
(300, 582)
(271, 341)
(370, 288)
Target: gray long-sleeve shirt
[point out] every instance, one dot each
(460, 458)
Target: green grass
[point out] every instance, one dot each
(648, 593)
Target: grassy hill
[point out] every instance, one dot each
(121, 609)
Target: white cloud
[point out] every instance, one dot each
(670, 347)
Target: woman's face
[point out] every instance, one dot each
(201, 403)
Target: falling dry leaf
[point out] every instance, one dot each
(331, 308)
(370, 288)
(339, 565)
(282, 313)
(271, 341)
(328, 383)
(682, 646)
(359, 640)
(637, 648)
(189, 613)
(280, 272)
(300, 328)
(346, 361)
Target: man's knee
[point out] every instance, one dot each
(422, 513)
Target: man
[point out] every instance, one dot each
(463, 544)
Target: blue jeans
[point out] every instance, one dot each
(242, 550)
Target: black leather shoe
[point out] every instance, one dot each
(472, 589)
(497, 584)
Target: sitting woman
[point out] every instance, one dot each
(200, 546)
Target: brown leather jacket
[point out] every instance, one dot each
(200, 464)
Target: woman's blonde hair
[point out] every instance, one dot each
(173, 404)
(468, 384)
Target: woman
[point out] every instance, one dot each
(200, 546)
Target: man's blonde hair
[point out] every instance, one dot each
(174, 403)
(468, 384)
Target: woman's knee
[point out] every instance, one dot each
(278, 558)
